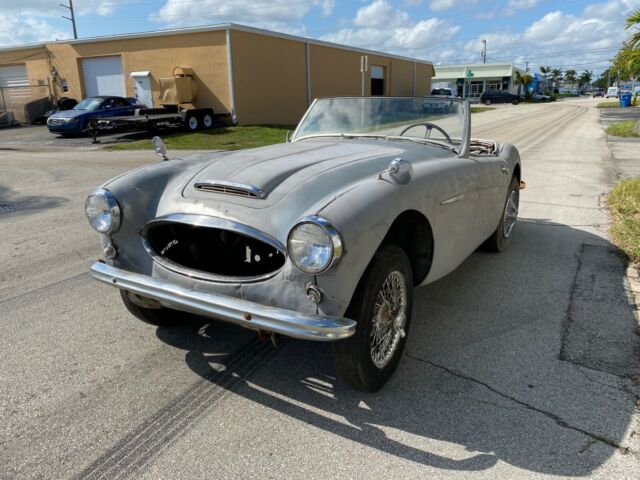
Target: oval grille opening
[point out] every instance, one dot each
(223, 254)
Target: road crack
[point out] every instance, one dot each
(552, 416)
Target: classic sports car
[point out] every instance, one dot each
(322, 237)
(76, 120)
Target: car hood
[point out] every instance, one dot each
(263, 176)
(70, 113)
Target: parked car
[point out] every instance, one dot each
(540, 97)
(77, 120)
(499, 96)
(321, 238)
(445, 92)
(598, 92)
(612, 92)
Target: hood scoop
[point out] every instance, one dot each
(230, 188)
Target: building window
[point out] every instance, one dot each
(64, 85)
(493, 85)
(377, 80)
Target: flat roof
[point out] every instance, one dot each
(212, 28)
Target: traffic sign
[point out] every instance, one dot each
(469, 74)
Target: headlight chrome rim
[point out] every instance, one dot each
(334, 237)
(113, 209)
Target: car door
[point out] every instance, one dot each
(119, 106)
(456, 185)
(492, 177)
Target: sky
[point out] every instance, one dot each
(579, 34)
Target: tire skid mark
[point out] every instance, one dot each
(140, 447)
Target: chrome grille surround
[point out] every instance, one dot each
(214, 223)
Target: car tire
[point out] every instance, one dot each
(515, 102)
(192, 123)
(487, 102)
(207, 121)
(160, 317)
(388, 278)
(500, 239)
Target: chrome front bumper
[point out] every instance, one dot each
(230, 309)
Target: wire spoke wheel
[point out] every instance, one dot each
(389, 319)
(510, 214)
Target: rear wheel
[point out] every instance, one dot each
(382, 307)
(160, 317)
(501, 238)
(207, 120)
(515, 102)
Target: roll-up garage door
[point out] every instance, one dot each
(14, 76)
(103, 76)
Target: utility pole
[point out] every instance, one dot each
(72, 19)
(484, 51)
(526, 67)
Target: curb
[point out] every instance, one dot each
(633, 279)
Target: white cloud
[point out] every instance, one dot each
(380, 13)
(380, 26)
(30, 21)
(561, 39)
(18, 29)
(264, 13)
(442, 5)
(49, 8)
(521, 4)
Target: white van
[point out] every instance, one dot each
(612, 92)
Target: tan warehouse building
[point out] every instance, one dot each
(254, 75)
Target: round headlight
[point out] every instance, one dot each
(102, 211)
(314, 245)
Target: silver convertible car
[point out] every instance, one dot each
(321, 238)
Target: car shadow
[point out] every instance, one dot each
(523, 358)
(11, 203)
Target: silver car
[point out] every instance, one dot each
(323, 237)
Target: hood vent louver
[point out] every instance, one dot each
(230, 188)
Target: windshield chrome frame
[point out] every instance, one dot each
(466, 125)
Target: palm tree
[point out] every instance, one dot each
(524, 80)
(634, 21)
(556, 75)
(545, 71)
(570, 76)
(585, 78)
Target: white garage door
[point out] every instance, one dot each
(103, 76)
(14, 76)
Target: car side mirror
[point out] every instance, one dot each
(159, 147)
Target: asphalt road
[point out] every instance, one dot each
(519, 365)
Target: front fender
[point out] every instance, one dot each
(363, 216)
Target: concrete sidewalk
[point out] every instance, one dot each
(625, 152)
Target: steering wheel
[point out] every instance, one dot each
(430, 126)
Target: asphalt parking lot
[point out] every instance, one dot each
(518, 366)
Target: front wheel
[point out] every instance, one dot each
(192, 123)
(160, 317)
(381, 307)
(501, 238)
(487, 102)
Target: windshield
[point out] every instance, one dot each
(437, 119)
(89, 104)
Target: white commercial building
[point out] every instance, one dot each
(484, 76)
